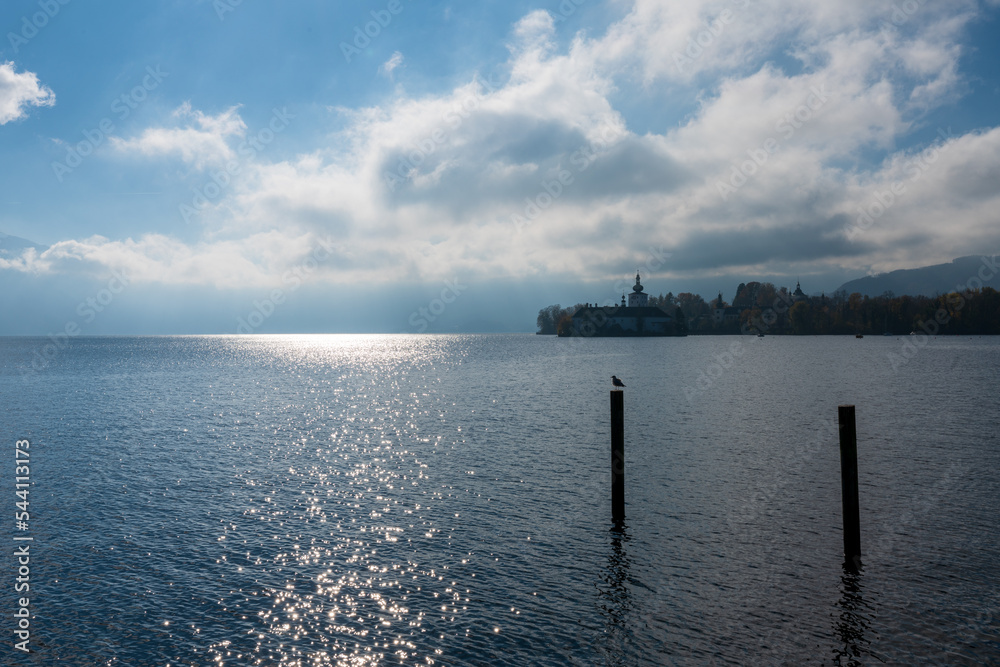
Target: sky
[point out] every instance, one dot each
(220, 166)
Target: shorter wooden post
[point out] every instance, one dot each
(849, 484)
(617, 456)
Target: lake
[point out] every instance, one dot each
(405, 499)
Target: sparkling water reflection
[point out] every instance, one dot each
(368, 500)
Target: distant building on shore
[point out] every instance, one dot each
(723, 314)
(637, 318)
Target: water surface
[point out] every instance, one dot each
(381, 500)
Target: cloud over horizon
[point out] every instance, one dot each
(796, 158)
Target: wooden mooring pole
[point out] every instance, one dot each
(617, 456)
(849, 484)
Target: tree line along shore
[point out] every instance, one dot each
(762, 308)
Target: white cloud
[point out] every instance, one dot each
(19, 91)
(434, 186)
(534, 32)
(391, 64)
(944, 193)
(203, 141)
(256, 260)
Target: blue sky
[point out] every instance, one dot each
(527, 152)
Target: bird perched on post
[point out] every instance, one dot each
(616, 382)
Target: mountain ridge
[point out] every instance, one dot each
(962, 273)
(12, 246)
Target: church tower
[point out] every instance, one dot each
(798, 294)
(638, 298)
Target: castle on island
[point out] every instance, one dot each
(637, 318)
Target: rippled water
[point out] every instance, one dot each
(381, 500)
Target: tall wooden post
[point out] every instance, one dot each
(617, 455)
(849, 484)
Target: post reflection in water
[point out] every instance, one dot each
(852, 628)
(614, 598)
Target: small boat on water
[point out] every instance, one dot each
(857, 335)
